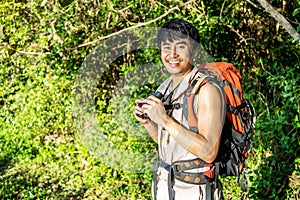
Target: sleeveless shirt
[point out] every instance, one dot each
(170, 151)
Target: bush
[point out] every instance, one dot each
(44, 48)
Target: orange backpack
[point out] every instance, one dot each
(236, 142)
(235, 101)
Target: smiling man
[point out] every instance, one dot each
(180, 145)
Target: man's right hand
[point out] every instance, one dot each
(139, 111)
(150, 126)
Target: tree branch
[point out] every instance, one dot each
(240, 36)
(26, 52)
(136, 26)
(280, 19)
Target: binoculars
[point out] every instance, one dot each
(157, 95)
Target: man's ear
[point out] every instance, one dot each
(193, 53)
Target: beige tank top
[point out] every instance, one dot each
(169, 149)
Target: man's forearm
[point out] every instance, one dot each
(195, 143)
(152, 130)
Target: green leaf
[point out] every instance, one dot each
(296, 11)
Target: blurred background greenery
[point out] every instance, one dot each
(42, 47)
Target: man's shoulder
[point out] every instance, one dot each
(210, 86)
(201, 79)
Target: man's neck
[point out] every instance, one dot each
(177, 78)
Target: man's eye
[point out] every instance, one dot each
(181, 47)
(166, 48)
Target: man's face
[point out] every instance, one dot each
(177, 57)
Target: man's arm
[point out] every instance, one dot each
(205, 144)
(152, 130)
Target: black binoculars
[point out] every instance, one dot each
(157, 95)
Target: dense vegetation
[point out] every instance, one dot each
(45, 53)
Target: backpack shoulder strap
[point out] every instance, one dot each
(188, 101)
(197, 83)
(190, 93)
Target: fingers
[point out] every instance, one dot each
(155, 99)
(139, 101)
(151, 106)
(151, 102)
(139, 111)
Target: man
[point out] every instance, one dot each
(178, 41)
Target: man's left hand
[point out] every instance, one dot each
(155, 109)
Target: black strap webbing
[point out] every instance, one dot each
(173, 106)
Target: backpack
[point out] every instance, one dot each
(236, 138)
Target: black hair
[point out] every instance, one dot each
(178, 29)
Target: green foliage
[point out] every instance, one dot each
(42, 47)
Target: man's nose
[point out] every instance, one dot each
(173, 53)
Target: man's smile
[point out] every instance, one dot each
(174, 62)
